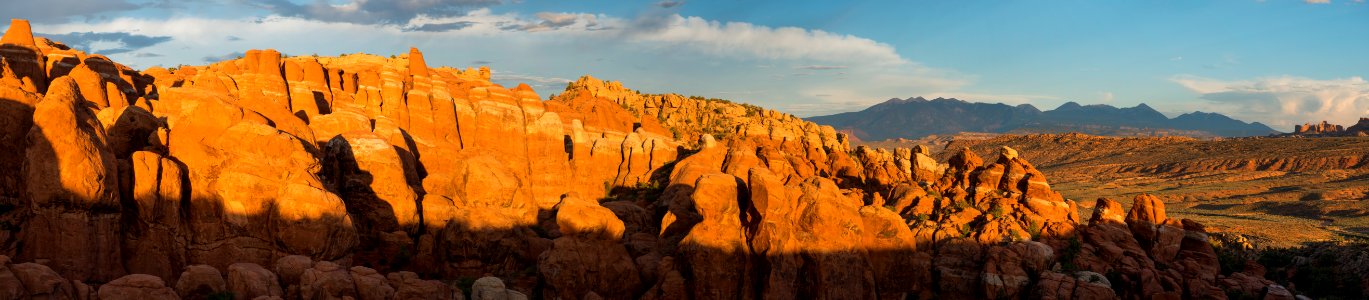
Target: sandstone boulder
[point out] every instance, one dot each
(588, 257)
(92, 87)
(892, 250)
(41, 282)
(253, 200)
(199, 282)
(715, 248)
(1062, 286)
(291, 267)
(491, 288)
(369, 173)
(69, 163)
(154, 243)
(409, 286)
(128, 128)
(1160, 236)
(72, 185)
(370, 285)
(1107, 211)
(16, 117)
(11, 287)
(21, 54)
(137, 287)
(249, 280)
(1007, 273)
(327, 280)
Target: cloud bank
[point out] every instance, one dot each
(738, 38)
(1287, 100)
(372, 11)
(49, 11)
(107, 43)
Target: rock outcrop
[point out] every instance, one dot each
(1321, 128)
(22, 57)
(72, 189)
(1360, 129)
(137, 286)
(200, 282)
(588, 257)
(368, 177)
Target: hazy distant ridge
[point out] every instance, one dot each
(918, 117)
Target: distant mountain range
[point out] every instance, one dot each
(917, 117)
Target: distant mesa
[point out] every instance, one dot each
(918, 117)
(1326, 129)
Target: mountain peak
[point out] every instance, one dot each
(954, 100)
(1145, 109)
(892, 102)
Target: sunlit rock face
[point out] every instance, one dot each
(384, 178)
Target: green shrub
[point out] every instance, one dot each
(887, 234)
(960, 205)
(465, 284)
(1069, 253)
(996, 212)
(1034, 229)
(919, 218)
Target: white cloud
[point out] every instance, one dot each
(541, 83)
(746, 39)
(369, 11)
(552, 21)
(731, 39)
(1317, 1)
(48, 11)
(1284, 101)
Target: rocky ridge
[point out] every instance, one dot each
(686, 117)
(310, 177)
(1084, 154)
(1277, 191)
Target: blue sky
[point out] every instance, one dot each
(1277, 62)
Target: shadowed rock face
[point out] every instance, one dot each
(359, 176)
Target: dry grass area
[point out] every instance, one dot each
(1266, 205)
(1280, 191)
